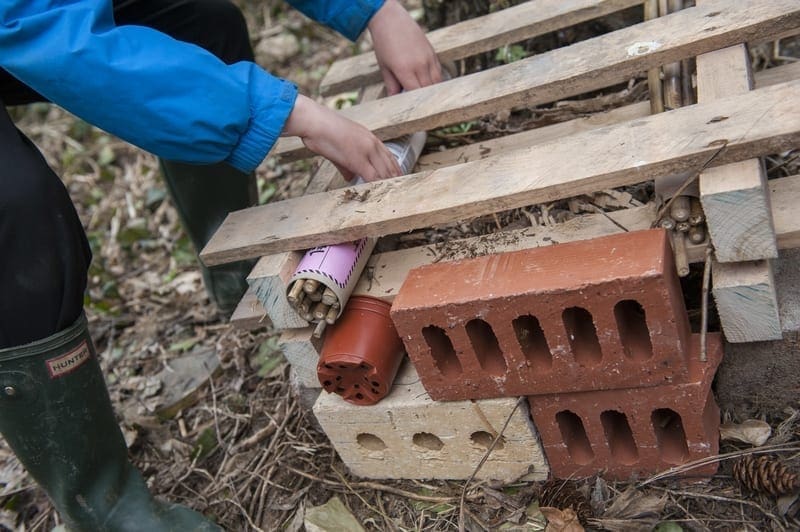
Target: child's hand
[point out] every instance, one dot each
(348, 145)
(406, 58)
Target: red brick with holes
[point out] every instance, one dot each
(634, 432)
(600, 314)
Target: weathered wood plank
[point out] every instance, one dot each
(785, 197)
(735, 197)
(735, 200)
(761, 122)
(389, 270)
(744, 293)
(573, 70)
(480, 34)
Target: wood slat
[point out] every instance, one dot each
(389, 270)
(735, 197)
(758, 123)
(480, 34)
(573, 70)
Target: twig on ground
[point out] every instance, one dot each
(488, 452)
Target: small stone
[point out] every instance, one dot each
(278, 48)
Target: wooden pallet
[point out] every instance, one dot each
(723, 136)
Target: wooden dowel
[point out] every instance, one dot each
(667, 223)
(330, 318)
(680, 208)
(697, 234)
(321, 310)
(316, 297)
(295, 291)
(696, 216)
(654, 74)
(310, 286)
(329, 296)
(681, 258)
(319, 329)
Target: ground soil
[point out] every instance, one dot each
(245, 451)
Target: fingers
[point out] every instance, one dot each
(393, 86)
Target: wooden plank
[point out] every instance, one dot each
(302, 350)
(758, 123)
(387, 271)
(525, 139)
(486, 148)
(746, 300)
(480, 34)
(269, 286)
(328, 176)
(785, 197)
(734, 197)
(573, 70)
(249, 314)
(738, 215)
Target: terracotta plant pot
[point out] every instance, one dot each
(362, 352)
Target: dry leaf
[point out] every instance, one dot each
(633, 504)
(561, 520)
(753, 431)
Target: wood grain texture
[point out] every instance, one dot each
(301, 350)
(576, 69)
(785, 197)
(272, 273)
(249, 314)
(270, 288)
(738, 214)
(735, 197)
(480, 34)
(486, 148)
(758, 123)
(744, 293)
(387, 271)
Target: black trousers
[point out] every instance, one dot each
(44, 253)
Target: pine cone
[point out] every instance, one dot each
(765, 474)
(564, 494)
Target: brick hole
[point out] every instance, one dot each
(533, 342)
(442, 351)
(619, 437)
(670, 436)
(582, 336)
(370, 442)
(428, 441)
(633, 331)
(486, 346)
(574, 435)
(485, 439)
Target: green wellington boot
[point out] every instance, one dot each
(203, 196)
(56, 415)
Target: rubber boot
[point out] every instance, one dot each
(56, 415)
(203, 196)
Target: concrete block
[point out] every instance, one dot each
(409, 436)
(631, 433)
(591, 315)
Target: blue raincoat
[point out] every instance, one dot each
(168, 97)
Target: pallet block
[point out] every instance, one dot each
(302, 350)
(409, 436)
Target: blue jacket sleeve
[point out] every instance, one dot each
(348, 17)
(168, 97)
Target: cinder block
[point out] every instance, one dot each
(634, 432)
(409, 436)
(599, 314)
